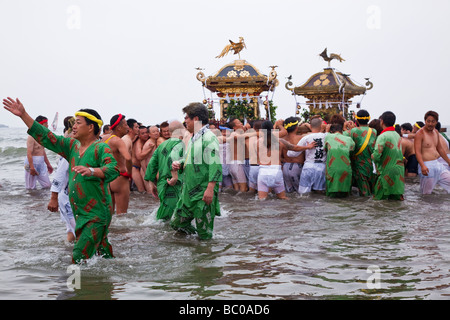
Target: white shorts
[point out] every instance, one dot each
(291, 175)
(41, 168)
(65, 211)
(270, 177)
(237, 172)
(312, 177)
(444, 162)
(437, 173)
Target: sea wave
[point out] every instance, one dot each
(8, 152)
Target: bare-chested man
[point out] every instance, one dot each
(147, 151)
(292, 166)
(136, 156)
(164, 133)
(237, 161)
(270, 174)
(37, 165)
(409, 154)
(106, 130)
(131, 136)
(251, 148)
(120, 187)
(429, 148)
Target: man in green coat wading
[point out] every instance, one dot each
(362, 166)
(388, 159)
(165, 184)
(202, 170)
(338, 172)
(91, 168)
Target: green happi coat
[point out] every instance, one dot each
(89, 196)
(338, 169)
(363, 176)
(388, 159)
(161, 161)
(200, 166)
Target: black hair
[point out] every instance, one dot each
(363, 114)
(197, 109)
(337, 119)
(336, 127)
(388, 118)
(293, 127)
(66, 123)
(438, 126)
(268, 126)
(420, 124)
(257, 124)
(114, 119)
(131, 122)
(40, 118)
(89, 122)
(433, 114)
(375, 124)
(407, 126)
(231, 124)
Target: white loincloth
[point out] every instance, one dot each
(437, 173)
(270, 176)
(60, 185)
(41, 167)
(312, 177)
(444, 162)
(237, 171)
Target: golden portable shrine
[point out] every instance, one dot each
(239, 87)
(328, 92)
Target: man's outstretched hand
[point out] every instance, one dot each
(14, 106)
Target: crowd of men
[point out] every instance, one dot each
(186, 164)
(95, 173)
(371, 155)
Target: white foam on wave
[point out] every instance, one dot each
(150, 219)
(133, 219)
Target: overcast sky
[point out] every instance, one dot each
(139, 57)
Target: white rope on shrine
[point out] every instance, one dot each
(322, 103)
(296, 103)
(359, 84)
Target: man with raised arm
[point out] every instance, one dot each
(92, 167)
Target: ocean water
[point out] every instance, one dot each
(307, 247)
